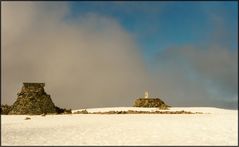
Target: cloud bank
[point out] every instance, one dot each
(199, 77)
(92, 61)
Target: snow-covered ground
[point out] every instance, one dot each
(219, 127)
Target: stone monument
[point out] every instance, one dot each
(32, 99)
(150, 102)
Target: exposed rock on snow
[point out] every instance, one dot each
(27, 118)
(84, 111)
(62, 110)
(150, 102)
(33, 100)
(135, 112)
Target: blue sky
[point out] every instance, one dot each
(161, 25)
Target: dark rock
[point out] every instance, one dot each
(150, 102)
(27, 118)
(82, 112)
(61, 110)
(118, 112)
(5, 109)
(67, 111)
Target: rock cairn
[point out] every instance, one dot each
(150, 102)
(33, 100)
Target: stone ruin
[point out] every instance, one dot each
(150, 102)
(33, 100)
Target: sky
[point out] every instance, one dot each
(103, 54)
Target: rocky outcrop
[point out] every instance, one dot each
(33, 100)
(62, 110)
(150, 102)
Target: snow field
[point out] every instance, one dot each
(220, 127)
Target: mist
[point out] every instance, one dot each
(92, 61)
